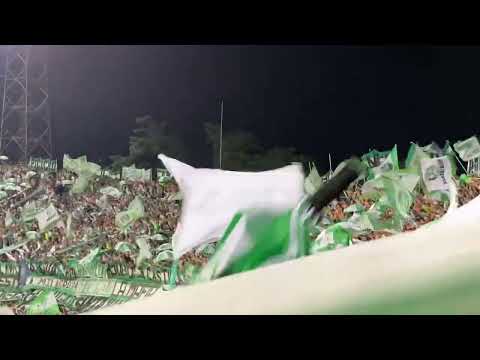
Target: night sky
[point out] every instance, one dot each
(319, 99)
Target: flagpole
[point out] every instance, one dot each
(459, 161)
(221, 130)
(330, 163)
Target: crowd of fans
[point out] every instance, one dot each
(86, 216)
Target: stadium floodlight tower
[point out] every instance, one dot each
(25, 128)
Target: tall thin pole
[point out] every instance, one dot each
(2, 150)
(221, 130)
(459, 161)
(26, 119)
(330, 162)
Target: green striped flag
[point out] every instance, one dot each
(256, 238)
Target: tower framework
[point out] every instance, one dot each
(25, 128)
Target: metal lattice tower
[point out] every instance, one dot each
(25, 128)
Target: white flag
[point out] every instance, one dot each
(468, 149)
(47, 218)
(436, 173)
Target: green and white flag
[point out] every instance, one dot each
(47, 218)
(73, 165)
(414, 157)
(84, 169)
(129, 172)
(436, 174)
(147, 175)
(89, 266)
(374, 157)
(133, 174)
(340, 234)
(88, 259)
(43, 164)
(256, 238)
(406, 179)
(433, 150)
(134, 212)
(144, 253)
(44, 304)
(399, 195)
(69, 228)
(10, 185)
(111, 191)
(103, 202)
(95, 287)
(30, 211)
(81, 184)
(8, 219)
(355, 208)
(394, 191)
(163, 175)
(448, 151)
(124, 247)
(164, 255)
(468, 149)
(387, 165)
(32, 235)
(313, 181)
(334, 237)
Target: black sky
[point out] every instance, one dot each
(319, 99)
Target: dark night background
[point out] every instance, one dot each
(319, 99)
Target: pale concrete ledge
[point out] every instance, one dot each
(406, 273)
(6, 311)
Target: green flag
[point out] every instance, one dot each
(256, 238)
(393, 192)
(380, 162)
(414, 157)
(334, 237)
(389, 164)
(84, 169)
(134, 212)
(44, 304)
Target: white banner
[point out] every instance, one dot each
(436, 173)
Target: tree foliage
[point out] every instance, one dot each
(242, 151)
(150, 139)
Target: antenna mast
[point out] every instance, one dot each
(25, 127)
(221, 131)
